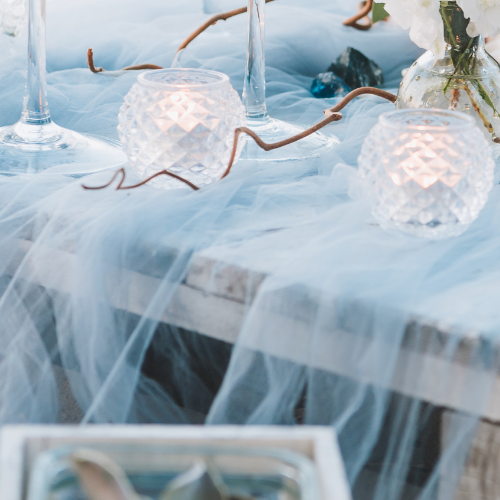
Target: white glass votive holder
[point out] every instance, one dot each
(183, 121)
(429, 171)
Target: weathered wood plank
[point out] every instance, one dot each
(481, 477)
(212, 301)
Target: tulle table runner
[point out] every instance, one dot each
(265, 296)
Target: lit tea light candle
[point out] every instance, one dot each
(183, 121)
(430, 171)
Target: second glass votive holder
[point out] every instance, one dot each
(429, 171)
(183, 121)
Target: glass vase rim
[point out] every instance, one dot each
(213, 79)
(460, 120)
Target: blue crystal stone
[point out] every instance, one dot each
(329, 85)
(356, 70)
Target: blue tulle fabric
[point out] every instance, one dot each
(338, 321)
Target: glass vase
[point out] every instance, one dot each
(466, 79)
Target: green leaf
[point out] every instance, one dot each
(484, 95)
(378, 12)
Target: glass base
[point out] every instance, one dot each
(32, 149)
(437, 232)
(271, 130)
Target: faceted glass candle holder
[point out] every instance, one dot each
(429, 171)
(183, 121)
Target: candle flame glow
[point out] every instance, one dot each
(426, 158)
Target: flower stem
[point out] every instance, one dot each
(462, 55)
(455, 35)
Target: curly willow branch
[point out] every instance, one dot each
(210, 22)
(331, 115)
(364, 11)
(218, 17)
(90, 63)
(120, 186)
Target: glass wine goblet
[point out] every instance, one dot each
(35, 143)
(269, 129)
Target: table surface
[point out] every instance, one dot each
(214, 297)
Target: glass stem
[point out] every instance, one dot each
(36, 110)
(254, 90)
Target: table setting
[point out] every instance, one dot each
(291, 220)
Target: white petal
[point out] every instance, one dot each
(424, 21)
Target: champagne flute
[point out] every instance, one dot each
(254, 97)
(35, 143)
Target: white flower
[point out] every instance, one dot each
(423, 19)
(484, 16)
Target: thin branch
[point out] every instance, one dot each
(141, 66)
(90, 62)
(117, 173)
(356, 93)
(123, 174)
(331, 115)
(213, 20)
(353, 21)
(91, 65)
(163, 172)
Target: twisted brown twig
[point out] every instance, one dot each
(210, 22)
(363, 12)
(331, 115)
(90, 62)
(218, 17)
(120, 187)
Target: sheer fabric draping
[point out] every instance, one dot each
(86, 277)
